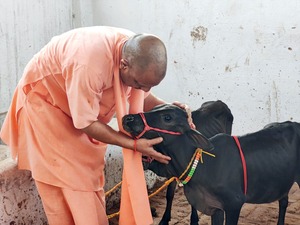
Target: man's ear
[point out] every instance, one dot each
(123, 64)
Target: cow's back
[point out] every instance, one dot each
(273, 161)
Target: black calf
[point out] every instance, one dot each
(271, 154)
(213, 117)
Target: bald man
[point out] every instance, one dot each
(56, 126)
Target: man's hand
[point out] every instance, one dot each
(188, 111)
(145, 146)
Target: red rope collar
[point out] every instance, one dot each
(147, 128)
(243, 163)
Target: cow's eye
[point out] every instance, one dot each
(167, 118)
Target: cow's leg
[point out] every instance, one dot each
(153, 212)
(170, 195)
(232, 216)
(283, 203)
(194, 216)
(217, 218)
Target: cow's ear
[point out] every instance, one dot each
(199, 141)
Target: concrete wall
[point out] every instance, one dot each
(245, 53)
(25, 27)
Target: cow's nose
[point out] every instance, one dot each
(129, 118)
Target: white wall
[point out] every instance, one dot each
(25, 27)
(245, 53)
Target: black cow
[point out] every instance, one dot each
(271, 154)
(213, 117)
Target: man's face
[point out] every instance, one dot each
(138, 79)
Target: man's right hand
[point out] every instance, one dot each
(145, 146)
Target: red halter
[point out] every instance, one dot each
(147, 128)
(243, 163)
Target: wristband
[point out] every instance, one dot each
(134, 144)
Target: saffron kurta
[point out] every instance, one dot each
(65, 87)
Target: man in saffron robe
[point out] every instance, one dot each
(56, 126)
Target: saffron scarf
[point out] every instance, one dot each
(135, 207)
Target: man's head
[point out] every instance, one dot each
(143, 63)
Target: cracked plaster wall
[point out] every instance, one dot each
(245, 53)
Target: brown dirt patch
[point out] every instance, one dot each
(251, 214)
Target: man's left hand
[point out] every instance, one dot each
(188, 111)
